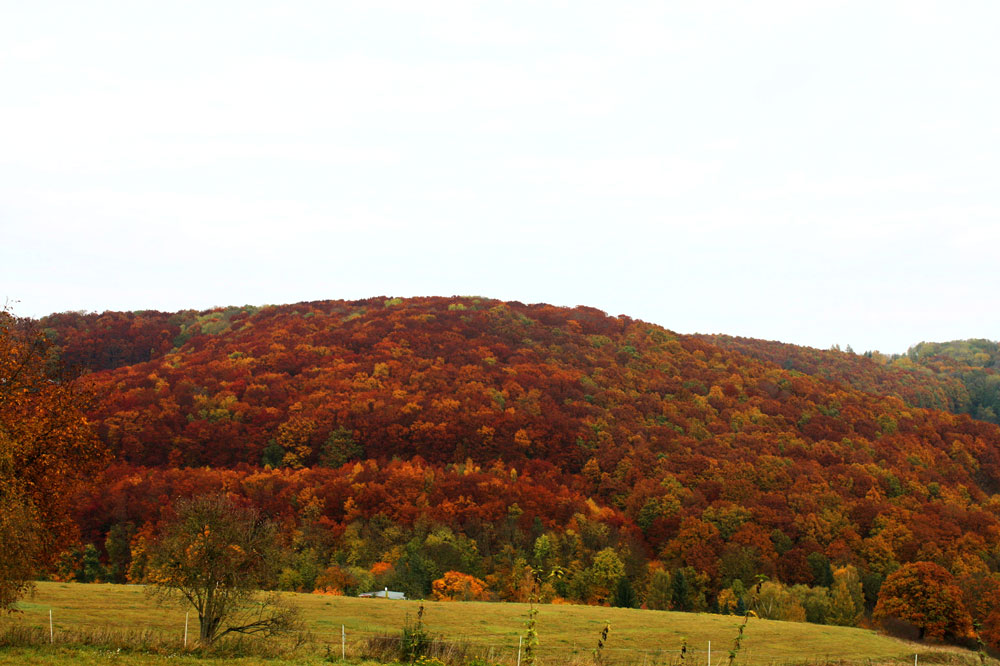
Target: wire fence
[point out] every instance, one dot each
(488, 649)
(502, 650)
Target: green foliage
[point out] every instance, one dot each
(659, 591)
(215, 555)
(738, 641)
(82, 564)
(846, 597)
(821, 570)
(414, 641)
(531, 636)
(606, 570)
(680, 591)
(688, 590)
(118, 547)
(414, 571)
(773, 601)
(871, 584)
(301, 571)
(340, 447)
(625, 596)
(273, 456)
(815, 602)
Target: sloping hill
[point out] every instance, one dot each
(382, 420)
(962, 376)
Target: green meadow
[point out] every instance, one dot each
(98, 623)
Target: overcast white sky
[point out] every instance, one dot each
(811, 172)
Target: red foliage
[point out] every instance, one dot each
(925, 595)
(456, 408)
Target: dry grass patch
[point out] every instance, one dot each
(488, 631)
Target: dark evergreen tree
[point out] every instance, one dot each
(625, 596)
(821, 570)
(273, 455)
(681, 591)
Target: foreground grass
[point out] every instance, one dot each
(88, 656)
(121, 613)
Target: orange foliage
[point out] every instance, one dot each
(448, 411)
(457, 586)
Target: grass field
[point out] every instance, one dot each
(123, 616)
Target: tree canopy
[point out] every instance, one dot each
(925, 595)
(217, 555)
(46, 447)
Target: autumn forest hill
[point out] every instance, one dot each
(961, 376)
(723, 457)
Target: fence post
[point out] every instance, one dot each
(519, 639)
(710, 653)
(343, 643)
(186, 614)
(52, 634)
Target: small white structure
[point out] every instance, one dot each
(383, 594)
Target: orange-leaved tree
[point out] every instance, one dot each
(46, 445)
(925, 595)
(457, 586)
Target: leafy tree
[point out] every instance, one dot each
(413, 572)
(294, 436)
(81, 563)
(457, 586)
(815, 601)
(680, 591)
(273, 455)
(625, 596)
(20, 546)
(925, 595)
(300, 571)
(658, 592)
(821, 570)
(118, 546)
(847, 601)
(46, 446)
(871, 583)
(216, 555)
(340, 448)
(605, 572)
(773, 601)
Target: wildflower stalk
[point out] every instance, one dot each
(600, 643)
(739, 638)
(531, 633)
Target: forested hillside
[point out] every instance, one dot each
(397, 439)
(962, 376)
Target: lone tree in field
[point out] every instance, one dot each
(217, 555)
(925, 595)
(46, 447)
